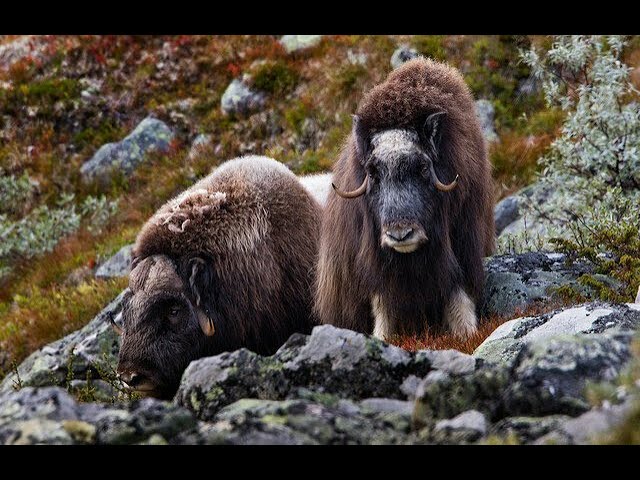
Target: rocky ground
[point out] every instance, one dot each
(557, 377)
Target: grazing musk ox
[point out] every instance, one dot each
(226, 264)
(402, 251)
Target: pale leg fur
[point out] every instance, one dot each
(382, 323)
(460, 315)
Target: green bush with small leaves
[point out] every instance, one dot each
(593, 166)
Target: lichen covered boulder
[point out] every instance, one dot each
(151, 135)
(507, 341)
(81, 353)
(239, 99)
(517, 282)
(330, 360)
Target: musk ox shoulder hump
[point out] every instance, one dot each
(234, 208)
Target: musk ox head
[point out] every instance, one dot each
(400, 184)
(163, 324)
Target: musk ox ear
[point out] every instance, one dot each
(432, 129)
(200, 280)
(201, 287)
(361, 136)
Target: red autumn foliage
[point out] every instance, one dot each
(486, 327)
(234, 69)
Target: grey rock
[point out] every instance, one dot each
(238, 98)
(142, 420)
(118, 265)
(471, 424)
(36, 431)
(410, 386)
(199, 145)
(546, 374)
(295, 43)
(506, 212)
(211, 383)
(537, 193)
(403, 54)
(150, 135)
(588, 427)
(51, 415)
(443, 396)
(449, 361)
(386, 405)
(51, 403)
(96, 344)
(37, 416)
(551, 375)
(527, 429)
(330, 360)
(350, 364)
(516, 282)
(486, 113)
(303, 422)
(507, 341)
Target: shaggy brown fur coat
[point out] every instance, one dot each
(256, 228)
(414, 287)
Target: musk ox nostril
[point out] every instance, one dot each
(399, 234)
(132, 379)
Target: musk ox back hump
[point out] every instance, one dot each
(243, 203)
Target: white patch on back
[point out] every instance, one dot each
(460, 315)
(318, 186)
(256, 169)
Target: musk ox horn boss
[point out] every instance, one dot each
(226, 264)
(411, 215)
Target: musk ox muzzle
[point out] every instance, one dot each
(403, 237)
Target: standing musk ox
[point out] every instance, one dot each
(401, 252)
(226, 264)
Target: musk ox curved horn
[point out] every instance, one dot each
(441, 186)
(114, 325)
(355, 193)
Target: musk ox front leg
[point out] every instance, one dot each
(460, 314)
(382, 325)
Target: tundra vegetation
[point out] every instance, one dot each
(566, 116)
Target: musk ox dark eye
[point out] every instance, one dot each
(174, 313)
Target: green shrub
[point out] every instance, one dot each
(14, 193)
(276, 78)
(430, 46)
(593, 167)
(43, 93)
(495, 72)
(348, 77)
(612, 245)
(43, 227)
